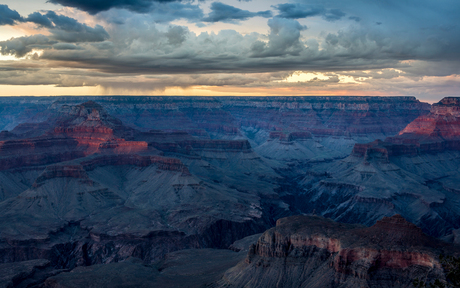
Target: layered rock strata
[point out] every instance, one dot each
(361, 118)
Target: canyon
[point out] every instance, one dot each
(134, 188)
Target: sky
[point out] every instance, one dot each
(230, 47)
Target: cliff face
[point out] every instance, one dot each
(327, 116)
(310, 251)
(437, 131)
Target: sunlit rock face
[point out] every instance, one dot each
(311, 251)
(435, 132)
(414, 173)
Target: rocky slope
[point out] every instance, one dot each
(185, 268)
(311, 251)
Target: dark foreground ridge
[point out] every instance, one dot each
(301, 251)
(311, 251)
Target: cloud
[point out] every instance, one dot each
(83, 34)
(66, 46)
(39, 19)
(333, 14)
(221, 12)
(298, 11)
(67, 29)
(20, 46)
(414, 43)
(95, 6)
(62, 28)
(160, 13)
(8, 16)
(283, 39)
(354, 18)
(176, 35)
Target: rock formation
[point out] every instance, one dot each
(311, 251)
(335, 122)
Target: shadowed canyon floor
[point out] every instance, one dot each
(97, 185)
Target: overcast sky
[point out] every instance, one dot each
(230, 47)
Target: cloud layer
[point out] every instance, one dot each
(366, 42)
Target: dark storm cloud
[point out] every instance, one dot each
(298, 11)
(333, 14)
(161, 13)
(8, 16)
(225, 13)
(61, 28)
(84, 34)
(64, 23)
(67, 29)
(354, 18)
(96, 6)
(39, 19)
